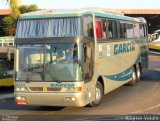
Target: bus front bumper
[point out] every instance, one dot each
(50, 99)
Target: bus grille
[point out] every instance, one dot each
(47, 89)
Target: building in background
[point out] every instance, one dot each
(152, 17)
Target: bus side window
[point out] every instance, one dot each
(101, 29)
(122, 29)
(104, 29)
(145, 30)
(136, 30)
(88, 26)
(98, 29)
(129, 30)
(141, 30)
(114, 30)
(118, 29)
(110, 29)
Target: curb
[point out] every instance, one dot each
(6, 96)
(154, 52)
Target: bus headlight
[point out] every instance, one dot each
(20, 89)
(73, 89)
(70, 99)
(69, 89)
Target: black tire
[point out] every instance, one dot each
(138, 73)
(134, 78)
(99, 95)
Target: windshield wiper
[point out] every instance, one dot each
(30, 72)
(28, 78)
(51, 75)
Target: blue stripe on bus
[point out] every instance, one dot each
(125, 75)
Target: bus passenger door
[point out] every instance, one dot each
(88, 62)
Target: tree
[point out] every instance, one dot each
(10, 22)
(14, 8)
(23, 9)
(32, 8)
(26, 9)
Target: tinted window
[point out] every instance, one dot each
(122, 29)
(112, 28)
(88, 26)
(99, 29)
(129, 30)
(136, 30)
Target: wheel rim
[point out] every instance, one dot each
(98, 94)
(134, 76)
(138, 73)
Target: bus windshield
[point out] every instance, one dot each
(49, 62)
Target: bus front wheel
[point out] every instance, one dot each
(98, 94)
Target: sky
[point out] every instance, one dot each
(72, 4)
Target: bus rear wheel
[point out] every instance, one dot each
(138, 73)
(98, 94)
(134, 77)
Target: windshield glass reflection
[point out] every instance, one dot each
(50, 62)
(31, 60)
(62, 62)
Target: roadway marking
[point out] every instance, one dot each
(100, 118)
(158, 53)
(150, 108)
(5, 96)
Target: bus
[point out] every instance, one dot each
(107, 50)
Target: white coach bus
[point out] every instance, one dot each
(74, 57)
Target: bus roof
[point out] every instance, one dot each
(140, 19)
(54, 13)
